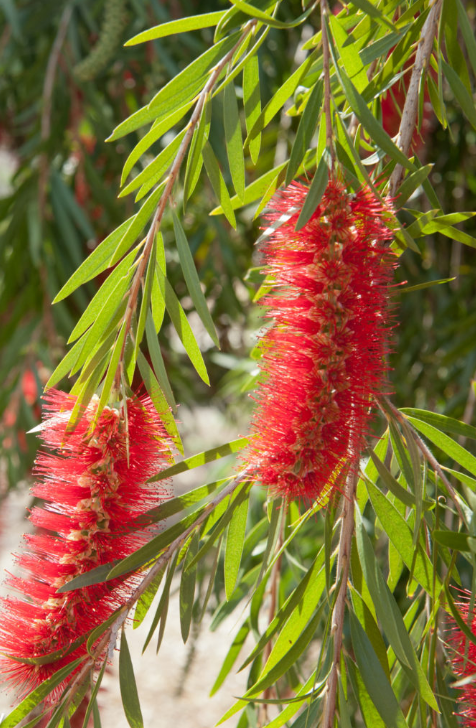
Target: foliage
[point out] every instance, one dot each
(255, 94)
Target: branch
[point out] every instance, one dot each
(174, 171)
(343, 563)
(410, 109)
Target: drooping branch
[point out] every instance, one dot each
(174, 171)
(410, 109)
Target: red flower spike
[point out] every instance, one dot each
(324, 356)
(463, 660)
(95, 487)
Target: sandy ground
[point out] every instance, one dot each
(170, 695)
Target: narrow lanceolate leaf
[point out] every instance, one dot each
(123, 270)
(370, 123)
(218, 183)
(398, 531)
(231, 656)
(175, 505)
(145, 601)
(187, 587)
(181, 325)
(442, 422)
(138, 223)
(155, 170)
(307, 127)
(95, 263)
(411, 183)
(467, 33)
(189, 82)
(316, 190)
(252, 102)
(192, 280)
(280, 98)
(94, 693)
(195, 22)
(234, 546)
(158, 398)
(456, 541)
(127, 681)
(39, 694)
(374, 678)
(158, 363)
(146, 296)
(427, 284)
(445, 443)
(162, 608)
(195, 158)
(233, 139)
(208, 456)
(111, 373)
(462, 95)
(161, 127)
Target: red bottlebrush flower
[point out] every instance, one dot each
(463, 660)
(323, 358)
(95, 486)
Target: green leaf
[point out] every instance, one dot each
(37, 695)
(155, 170)
(462, 95)
(427, 284)
(218, 183)
(252, 102)
(181, 325)
(369, 623)
(349, 55)
(153, 548)
(238, 497)
(231, 656)
(374, 678)
(456, 541)
(94, 264)
(441, 422)
(66, 364)
(159, 400)
(398, 531)
(390, 616)
(92, 699)
(467, 33)
(161, 127)
(125, 270)
(145, 302)
(204, 457)
(313, 197)
(370, 123)
(127, 681)
(280, 98)
(110, 376)
(195, 159)
(369, 9)
(307, 127)
(138, 223)
(158, 362)
(411, 183)
(144, 603)
(234, 139)
(254, 12)
(234, 546)
(445, 443)
(162, 608)
(189, 82)
(187, 587)
(192, 280)
(195, 22)
(391, 483)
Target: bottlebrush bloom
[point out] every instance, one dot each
(463, 660)
(95, 488)
(323, 359)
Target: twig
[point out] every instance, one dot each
(410, 109)
(426, 452)
(343, 563)
(327, 80)
(174, 171)
(469, 409)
